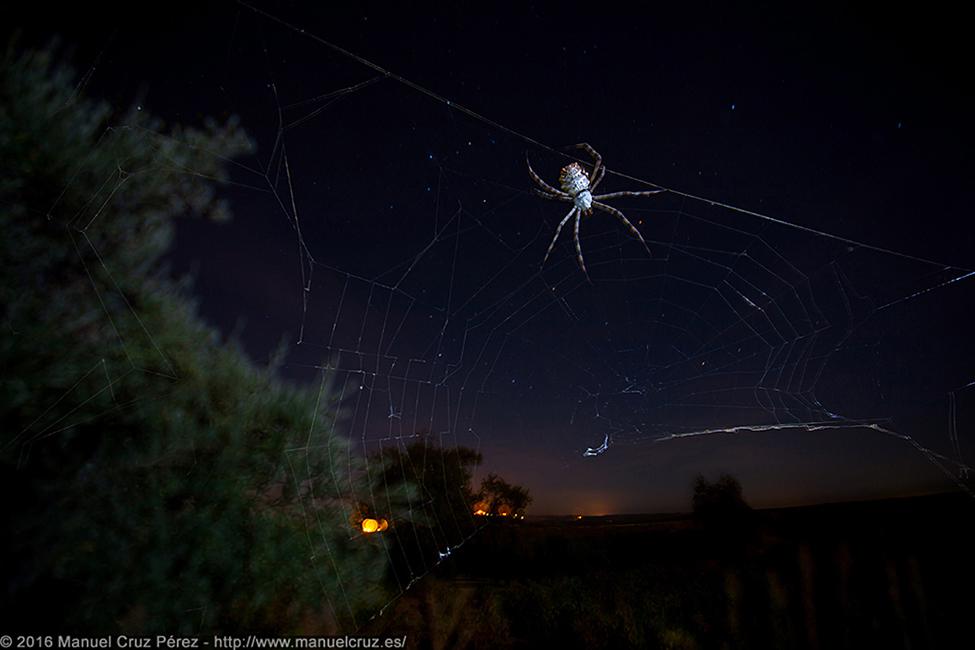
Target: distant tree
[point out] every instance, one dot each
(437, 483)
(498, 497)
(152, 478)
(720, 502)
(441, 476)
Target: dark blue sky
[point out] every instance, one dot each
(422, 240)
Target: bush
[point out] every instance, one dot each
(147, 477)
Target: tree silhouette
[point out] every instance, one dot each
(441, 476)
(719, 503)
(498, 497)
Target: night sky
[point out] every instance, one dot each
(416, 271)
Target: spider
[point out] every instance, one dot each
(577, 189)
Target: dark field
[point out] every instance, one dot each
(885, 574)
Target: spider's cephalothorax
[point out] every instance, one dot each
(577, 189)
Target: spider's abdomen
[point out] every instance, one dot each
(573, 179)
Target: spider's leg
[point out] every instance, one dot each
(554, 197)
(542, 184)
(619, 215)
(597, 180)
(616, 195)
(557, 231)
(582, 262)
(597, 160)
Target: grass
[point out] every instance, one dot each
(875, 574)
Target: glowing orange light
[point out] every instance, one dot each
(578, 517)
(383, 525)
(370, 525)
(504, 510)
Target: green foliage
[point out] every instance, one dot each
(154, 479)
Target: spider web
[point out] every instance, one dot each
(424, 301)
(739, 323)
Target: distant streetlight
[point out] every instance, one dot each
(370, 525)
